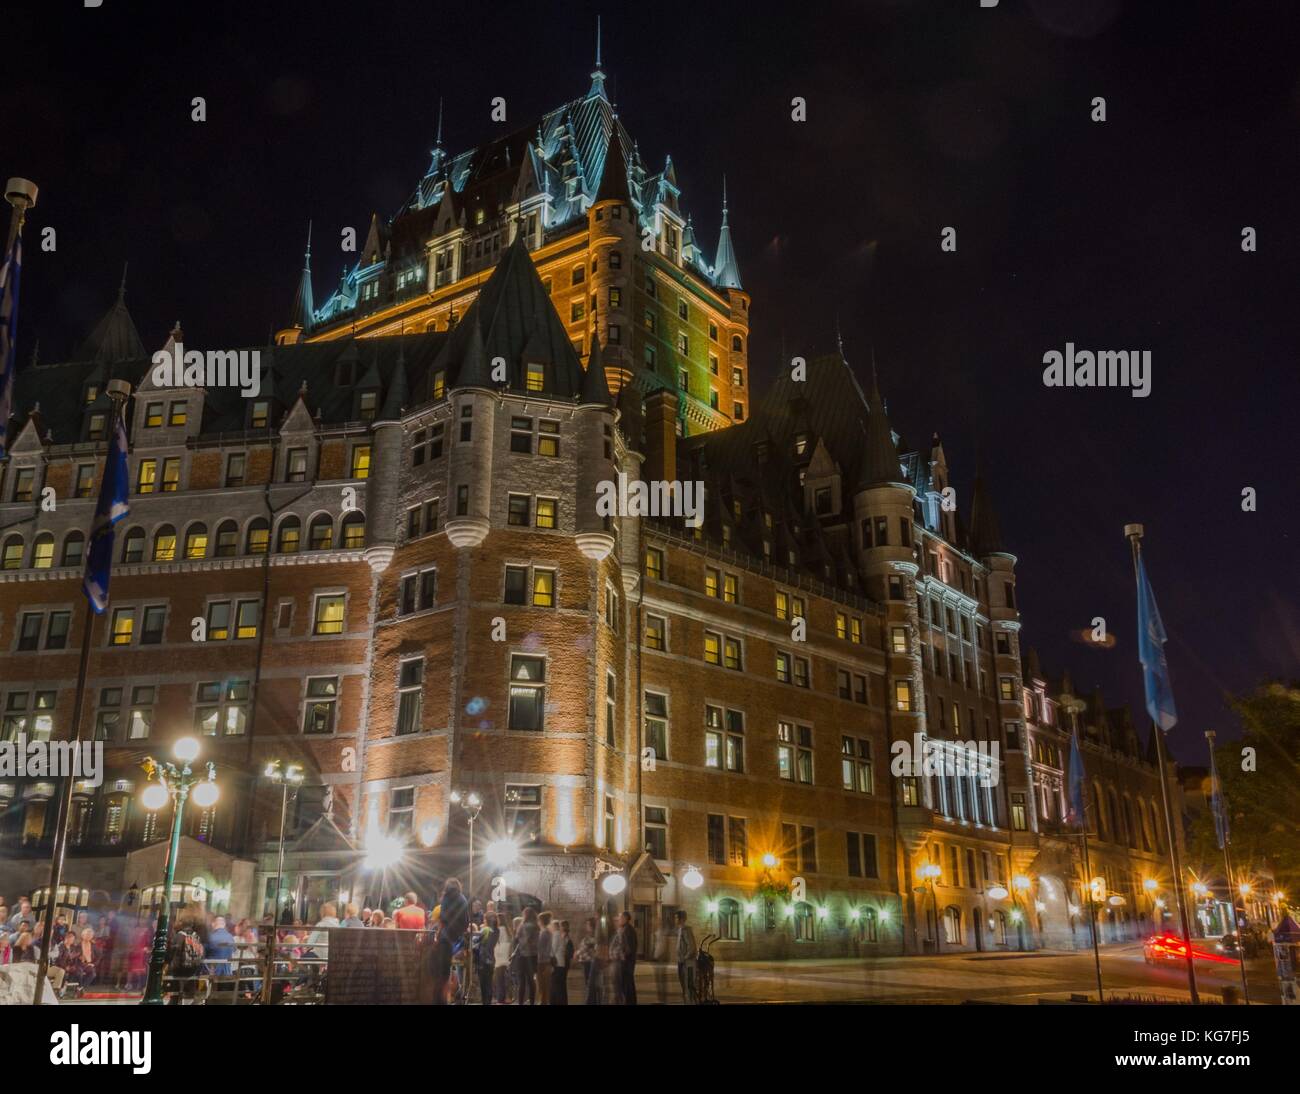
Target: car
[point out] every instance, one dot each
(1163, 947)
(1229, 945)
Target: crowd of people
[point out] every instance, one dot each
(478, 950)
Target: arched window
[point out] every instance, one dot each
(737, 343)
(12, 556)
(259, 537)
(133, 545)
(729, 919)
(227, 545)
(868, 924)
(43, 551)
(164, 544)
(288, 536)
(320, 533)
(952, 925)
(74, 547)
(354, 531)
(196, 541)
(805, 922)
(1099, 827)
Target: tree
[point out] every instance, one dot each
(1263, 791)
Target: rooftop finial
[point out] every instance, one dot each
(597, 88)
(724, 199)
(121, 289)
(437, 140)
(598, 65)
(307, 256)
(839, 338)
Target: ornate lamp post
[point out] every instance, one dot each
(928, 871)
(472, 804)
(1019, 884)
(286, 776)
(167, 781)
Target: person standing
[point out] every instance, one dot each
(453, 919)
(485, 956)
(587, 956)
(502, 950)
(562, 954)
(545, 959)
(410, 916)
(686, 949)
(220, 947)
(627, 967)
(526, 957)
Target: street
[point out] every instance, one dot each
(989, 978)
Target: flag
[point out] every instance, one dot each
(1075, 814)
(1151, 652)
(1218, 805)
(9, 278)
(112, 507)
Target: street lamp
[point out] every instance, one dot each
(167, 781)
(287, 776)
(472, 804)
(1019, 884)
(928, 871)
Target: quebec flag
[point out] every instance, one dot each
(1151, 652)
(1076, 814)
(112, 507)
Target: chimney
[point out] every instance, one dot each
(661, 435)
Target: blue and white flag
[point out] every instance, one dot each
(1151, 652)
(112, 507)
(10, 274)
(1075, 814)
(1218, 806)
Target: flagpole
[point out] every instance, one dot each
(118, 390)
(1226, 837)
(1092, 909)
(1133, 532)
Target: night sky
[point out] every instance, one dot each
(1119, 235)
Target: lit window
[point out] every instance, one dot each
(546, 512)
(123, 627)
(655, 630)
(329, 615)
(527, 693)
(712, 648)
(543, 588)
(361, 461)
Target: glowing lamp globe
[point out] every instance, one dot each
(998, 892)
(154, 797)
(206, 794)
(502, 852)
(1150, 885)
(614, 884)
(692, 879)
(186, 749)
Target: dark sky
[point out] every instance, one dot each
(1118, 235)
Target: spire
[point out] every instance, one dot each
(114, 337)
(474, 370)
(880, 463)
(595, 386)
(597, 89)
(985, 535)
(302, 313)
(613, 176)
(437, 140)
(726, 273)
(396, 397)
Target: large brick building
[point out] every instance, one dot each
(390, 567)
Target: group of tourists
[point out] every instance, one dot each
(82, 952)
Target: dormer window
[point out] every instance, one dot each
(439, 384)
(92, 393)
(153, 415)
(260, 414)
(536, 378)
(800, 443)
(178, 414)
(368, 405)
(95, 428)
